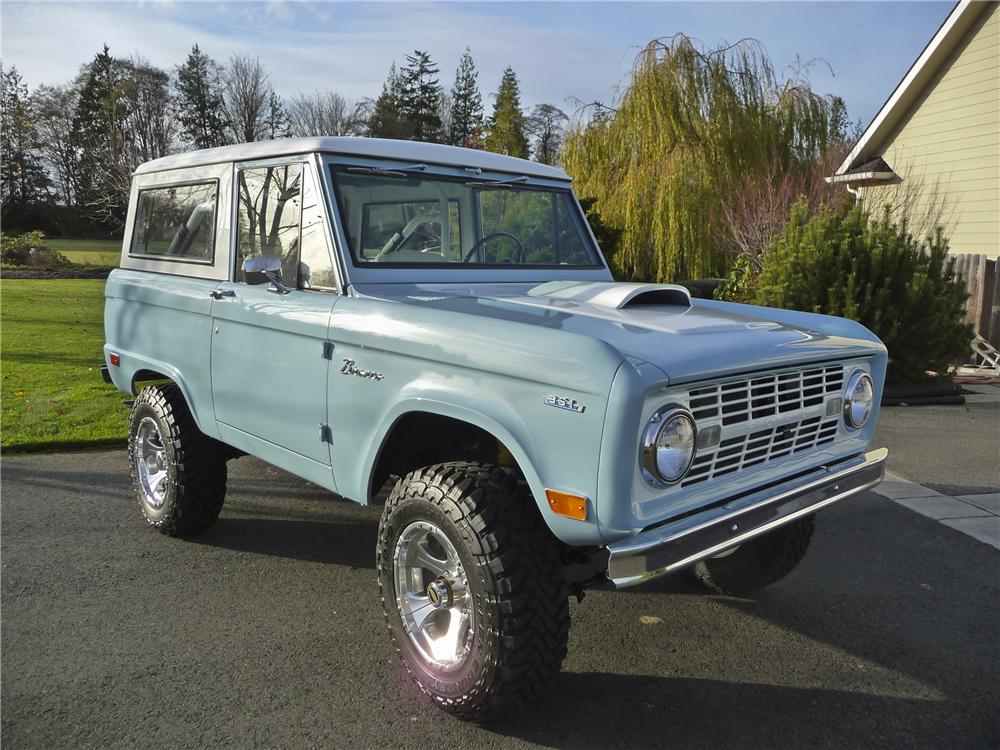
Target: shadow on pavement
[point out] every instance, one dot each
(631, 711)
(312, 540)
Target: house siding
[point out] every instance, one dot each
(946, 150)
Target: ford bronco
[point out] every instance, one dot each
(435, 329)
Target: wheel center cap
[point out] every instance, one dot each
(439, 594)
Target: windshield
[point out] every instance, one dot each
(405, 219)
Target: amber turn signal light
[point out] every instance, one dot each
(566, 504)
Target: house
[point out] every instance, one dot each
(934, 147)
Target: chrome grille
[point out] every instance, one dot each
(763, 418)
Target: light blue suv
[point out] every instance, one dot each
(435, 328)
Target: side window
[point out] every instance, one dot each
(176, 222)
(270, 203)
(315, 261)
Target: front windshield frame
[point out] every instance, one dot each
(366, 270)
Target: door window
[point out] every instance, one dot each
(270, 202)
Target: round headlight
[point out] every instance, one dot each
(858, 400)
(668, 445)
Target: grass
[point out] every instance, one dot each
(88, 252)
(52, 395)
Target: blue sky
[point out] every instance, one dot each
(561, 51)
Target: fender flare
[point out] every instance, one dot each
(123, 377)
(486, 415)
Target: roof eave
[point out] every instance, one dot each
(876, 176)
(961, 18)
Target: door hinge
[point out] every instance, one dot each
(327, 350)
(325, 434)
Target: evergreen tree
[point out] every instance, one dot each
(507, 123)
(278, 125)
(466, 103)
(200, 106)
(98, 132)
(873, 270)
(22, 179)
(420, 97)
(386, 120)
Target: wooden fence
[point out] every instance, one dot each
(983, 284)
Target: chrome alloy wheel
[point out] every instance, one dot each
(432, 595)
(151, 462)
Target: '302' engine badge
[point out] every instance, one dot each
(568, 404)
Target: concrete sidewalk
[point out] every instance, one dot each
(944, 462)
(976, 515)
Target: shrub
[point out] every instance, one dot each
(741, 281)
(873, 271)
(29, 249)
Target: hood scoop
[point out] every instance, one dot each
(613, 295)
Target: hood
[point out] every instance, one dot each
(658, 324)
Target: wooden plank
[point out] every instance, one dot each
(988, 299)
(994, 337)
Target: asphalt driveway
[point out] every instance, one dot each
(266, 631)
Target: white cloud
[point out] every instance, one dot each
(322, 46)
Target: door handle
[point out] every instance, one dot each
(220, 293)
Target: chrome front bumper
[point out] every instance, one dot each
(677, 544)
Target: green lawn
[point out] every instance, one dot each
(50, 357)
(88, 252)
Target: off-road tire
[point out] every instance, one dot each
(515, 575)
(196, 464)
(760, 562)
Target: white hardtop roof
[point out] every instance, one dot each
(381, 148)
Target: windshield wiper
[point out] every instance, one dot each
(376, 171)
(510, 182)
(387, 172)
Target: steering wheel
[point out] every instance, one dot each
(493, 235)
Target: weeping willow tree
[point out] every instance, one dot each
(692, 130)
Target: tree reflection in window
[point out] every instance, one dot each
(269, 210)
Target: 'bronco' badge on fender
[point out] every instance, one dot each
(564, 403)
(350, 369)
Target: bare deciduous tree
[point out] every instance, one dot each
(149, 120)
(324, 113)
(921, 198)
(247, 96)
(755, 212)
(52, 109)
(545, 124)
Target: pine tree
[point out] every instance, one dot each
(278, 125)
(466, 104)
(420, 97)
(22, 179)
(507, 123)
(386, 120)
(200, 107)
(98, 132)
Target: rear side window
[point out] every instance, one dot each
(176, 222)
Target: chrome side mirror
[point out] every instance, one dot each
(262, 269)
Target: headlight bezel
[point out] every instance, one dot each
(857, 378)
(658, 422)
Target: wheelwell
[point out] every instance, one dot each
(145, 376)
(421, 439)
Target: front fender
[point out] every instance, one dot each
(569, 464)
